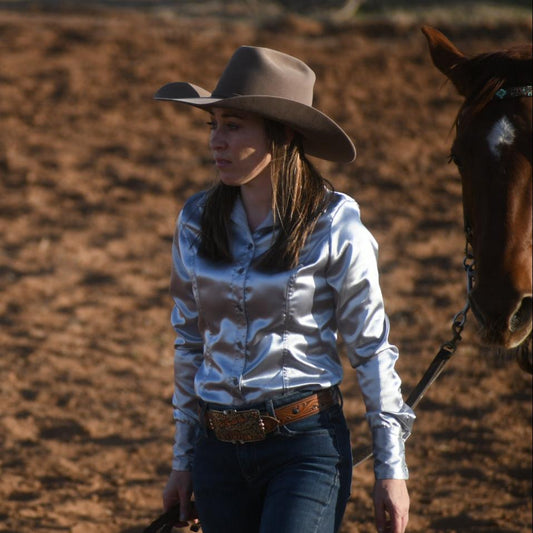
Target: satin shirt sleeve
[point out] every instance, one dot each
(188, 347)
(364, 327)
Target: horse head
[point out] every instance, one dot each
(492, 150)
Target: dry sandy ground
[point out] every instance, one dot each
(92, 175)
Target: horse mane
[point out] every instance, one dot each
(490, 72)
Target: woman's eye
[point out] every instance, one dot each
(232, 126)
(452, 158)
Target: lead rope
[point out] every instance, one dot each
(445, 353)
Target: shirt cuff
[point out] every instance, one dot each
(182, 463)
(185, 437)
(389, 453)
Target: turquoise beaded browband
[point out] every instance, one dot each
(514, 92)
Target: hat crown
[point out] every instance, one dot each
(256, 71)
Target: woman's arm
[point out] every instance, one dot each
(364, 326)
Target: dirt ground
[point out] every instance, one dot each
(92, 175)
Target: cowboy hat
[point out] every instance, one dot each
(276, 86)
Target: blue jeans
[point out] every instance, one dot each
(296, 480)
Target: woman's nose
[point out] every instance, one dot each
(217, 139)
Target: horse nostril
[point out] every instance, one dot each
(522, 316)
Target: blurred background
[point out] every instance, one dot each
(339, 9)
(93, 173)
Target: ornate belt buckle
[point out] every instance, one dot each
(237, 426)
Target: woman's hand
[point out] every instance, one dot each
(391, 503)
(179, 490)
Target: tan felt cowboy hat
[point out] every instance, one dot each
(276, 86)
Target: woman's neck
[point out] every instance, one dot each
(257, 200)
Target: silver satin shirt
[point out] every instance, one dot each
(244, 336)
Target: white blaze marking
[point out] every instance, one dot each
(503, 132)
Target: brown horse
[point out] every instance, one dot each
(492, 151)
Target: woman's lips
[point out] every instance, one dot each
(220, 163)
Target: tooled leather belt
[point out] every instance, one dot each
(253, 425)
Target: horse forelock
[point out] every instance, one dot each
(490, 72)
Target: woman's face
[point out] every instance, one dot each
(239, 146)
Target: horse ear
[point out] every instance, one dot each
(448, 59)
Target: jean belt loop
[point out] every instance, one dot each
(269, 406)
(337, 392)
(202, 409)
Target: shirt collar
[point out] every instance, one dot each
(238, 217)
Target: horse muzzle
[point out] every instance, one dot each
(503, 324)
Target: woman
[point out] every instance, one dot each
(269, 266)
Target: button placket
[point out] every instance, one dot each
(241, 271)
(240, 322)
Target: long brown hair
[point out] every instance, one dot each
(299, 195)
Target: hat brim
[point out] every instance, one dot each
(322, 137)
